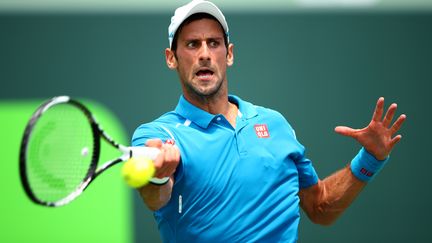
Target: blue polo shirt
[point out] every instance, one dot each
(233, 184)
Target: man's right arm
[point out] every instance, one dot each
(157, 196)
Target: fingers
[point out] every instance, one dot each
(394, 141)
(167, 161)
(378, 109)
(389, 115)
(397, 124)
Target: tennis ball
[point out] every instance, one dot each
(137, 171)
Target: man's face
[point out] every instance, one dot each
(201, 58)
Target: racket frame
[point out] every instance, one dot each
(93, 171)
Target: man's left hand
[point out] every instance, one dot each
(378, 137)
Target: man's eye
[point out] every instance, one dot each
(214, 43)
(191, 44)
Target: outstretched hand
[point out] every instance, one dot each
(378, 137)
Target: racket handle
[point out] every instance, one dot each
(151, 153)
(148, 152)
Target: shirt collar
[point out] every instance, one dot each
(246, 109)
(202, 118)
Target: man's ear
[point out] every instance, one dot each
(230, 55)
(170, 58)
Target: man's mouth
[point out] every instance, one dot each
(204, 74)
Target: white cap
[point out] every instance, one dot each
(195, 6)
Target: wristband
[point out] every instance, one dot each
(365, 166)
(158, 181)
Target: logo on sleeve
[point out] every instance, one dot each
(261, 131)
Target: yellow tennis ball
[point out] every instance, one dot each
(138, 171)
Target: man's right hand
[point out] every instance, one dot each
(156, 196)
(167, 160)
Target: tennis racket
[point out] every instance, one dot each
(59, 154)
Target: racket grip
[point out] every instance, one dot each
(148, 152)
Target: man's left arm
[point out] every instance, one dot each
(325, 201)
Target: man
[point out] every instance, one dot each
(234, 172)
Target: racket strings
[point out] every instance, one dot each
(60, 152)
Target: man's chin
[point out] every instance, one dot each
(210, 92)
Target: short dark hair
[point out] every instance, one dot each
(192, 18)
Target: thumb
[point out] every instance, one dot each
(345, 131)
(157, 143)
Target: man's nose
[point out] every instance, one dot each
(204, 54)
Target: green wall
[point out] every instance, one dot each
(83, 220)
(319, 68)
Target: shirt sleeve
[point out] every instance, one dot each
(306, 172)
(149, 131)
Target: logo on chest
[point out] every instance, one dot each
(261, 131)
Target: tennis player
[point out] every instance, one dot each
(236, 171)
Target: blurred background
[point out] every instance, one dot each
(321, 63)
